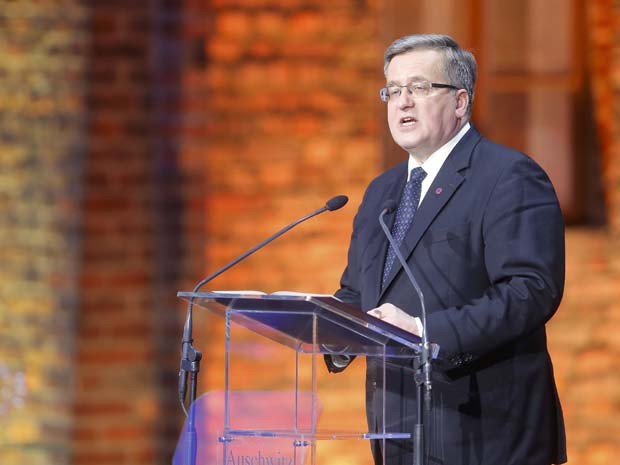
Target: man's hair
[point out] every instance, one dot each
(459, 66)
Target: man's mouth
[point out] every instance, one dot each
(407, 121)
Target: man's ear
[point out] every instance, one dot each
(462, 102)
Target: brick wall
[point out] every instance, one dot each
(584, 336)
(293, 119)
(585, 347)
(42, 143)
(116, 402)
(177, 137)
(142, 229)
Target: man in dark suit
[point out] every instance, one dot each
(482, 231)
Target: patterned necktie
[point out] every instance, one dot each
(404, 216)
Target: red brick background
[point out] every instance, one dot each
(143, 144)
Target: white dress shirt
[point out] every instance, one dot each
(433, 164)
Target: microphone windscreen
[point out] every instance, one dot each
(337, 202)
(389, 206)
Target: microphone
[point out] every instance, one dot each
(190, 357)
(388, 207)
(336, 203)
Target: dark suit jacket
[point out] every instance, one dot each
(487, 249)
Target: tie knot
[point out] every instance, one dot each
(417, 174)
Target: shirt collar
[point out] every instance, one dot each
(433, 164)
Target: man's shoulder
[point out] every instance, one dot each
(491, 160)
(490, 152)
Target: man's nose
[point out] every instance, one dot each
(406, 99)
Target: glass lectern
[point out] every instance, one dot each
(281, 426)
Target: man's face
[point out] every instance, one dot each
(421, 125)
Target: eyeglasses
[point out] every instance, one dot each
(417, 89)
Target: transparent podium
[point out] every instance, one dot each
(273, 417)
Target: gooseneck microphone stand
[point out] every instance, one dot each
(422, 364)
(190, 356)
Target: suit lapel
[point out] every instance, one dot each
(445, 184)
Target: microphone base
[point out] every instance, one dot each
(190, 364)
